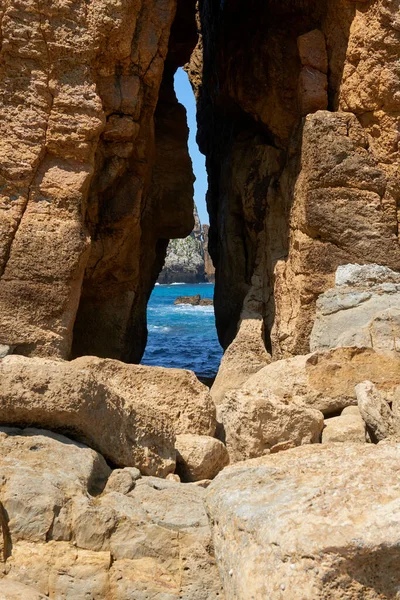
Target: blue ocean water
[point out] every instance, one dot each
(182, 336)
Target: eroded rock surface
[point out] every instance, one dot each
(312, 522)
(325, 380)
(363, 309)
(297, 109)
(128, 413)
(68, 540)
(89, 125)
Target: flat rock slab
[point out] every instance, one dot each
(314, 522)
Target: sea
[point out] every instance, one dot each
(182, 336)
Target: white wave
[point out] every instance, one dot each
(178, 283)
(189, 308)
(157, 283)
(163, 328)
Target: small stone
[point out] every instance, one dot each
(173, 477)
(199, 457)
(282, 446)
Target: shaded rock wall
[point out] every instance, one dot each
(89, 127)
(298, 116)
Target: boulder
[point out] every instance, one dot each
(314, 522)
(348, 427)
(363, 309)
(12, 590)
(245, 356)
(70, 537)
(254, 423)
(199, 457)
(128, 413)
(325, 380)
(376, 412)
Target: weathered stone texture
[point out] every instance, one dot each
(129, 413)
(363, 309)
(79, 87)
(290, 197)
(70, 539)
(312, 522)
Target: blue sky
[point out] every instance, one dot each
(185, 96)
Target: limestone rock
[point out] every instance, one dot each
(313, 522)
(363, 309)
(12, 590)
(80, 194)
(123, 480)
(129, 413)
(41, 471)
(199, 457)
(375, 411)
(209, 268)
(254, 423)
(70, 541)
(348, 428)
(325, 380)
(245, 356)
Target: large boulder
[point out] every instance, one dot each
(245, 356)
(128, 413)
(326, 380)
(314, 522)
(363, 309)
(254, 423)
(140, 537)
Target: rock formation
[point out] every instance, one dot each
(188, 260)
(196, 300)
(104, 465)
(184, 262)
(298, 109)
(97, 178)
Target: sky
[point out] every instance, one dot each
(184, 93)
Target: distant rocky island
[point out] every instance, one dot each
(188, 260)
(196, 300)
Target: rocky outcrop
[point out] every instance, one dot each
(69, 537)
(128, 413)
(86, 186)
(297, 109)
(184, 262)
(363, 309)
(196, 300)
(308, 523)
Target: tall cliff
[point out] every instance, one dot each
(298, 114)
(184, 262)
(95, 174)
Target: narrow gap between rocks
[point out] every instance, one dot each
(184, 335)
